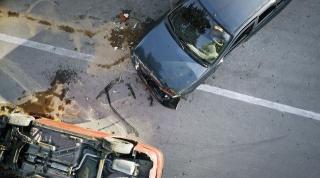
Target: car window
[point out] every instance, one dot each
(198, 31)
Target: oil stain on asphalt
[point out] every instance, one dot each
(51, 103)
(61, 26)
(117, 62)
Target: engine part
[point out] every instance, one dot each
(125, 166)
(118, 146)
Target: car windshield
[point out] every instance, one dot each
(198, 32)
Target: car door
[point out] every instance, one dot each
(241, 37)
(260, 20)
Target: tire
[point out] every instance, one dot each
(21, 120)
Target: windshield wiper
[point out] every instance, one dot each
(182, 42)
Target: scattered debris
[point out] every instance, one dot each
(109, 86)
(64, 76)
(150, 98)
(129, 128)
(131, 33)
(44, 22)
(9, 108)
(120, 36)
(131, 90)
(117, 62)
(66, 28)
(30, 18)
(13, 14)
(124, 15)
(89, 33)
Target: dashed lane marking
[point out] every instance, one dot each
(46, 47)
(259, 102)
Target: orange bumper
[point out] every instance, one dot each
(155, 155)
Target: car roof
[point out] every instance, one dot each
(231, 14)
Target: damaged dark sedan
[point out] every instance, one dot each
(191, 41)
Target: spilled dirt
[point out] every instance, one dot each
(117, 62)
(120, 36)
(124, 37)
(6, 109)
(44, 22)
(64, 76)
(72, 28)
(66, 28)
(129, 34)
(52, 103)
(31, 18)
(106, 39)
(13, 14)
(89, 33)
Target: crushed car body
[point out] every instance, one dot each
(189, 43)
(42, 147)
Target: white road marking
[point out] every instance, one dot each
(19, 76)
(259, 102)
(205, 88)
(3, 100)
(46, 47)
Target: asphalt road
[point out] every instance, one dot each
(210, 135)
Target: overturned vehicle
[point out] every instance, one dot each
(41, 147)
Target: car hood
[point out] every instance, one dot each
(162, 55)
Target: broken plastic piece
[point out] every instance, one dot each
(131, 90)
(106, 90)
